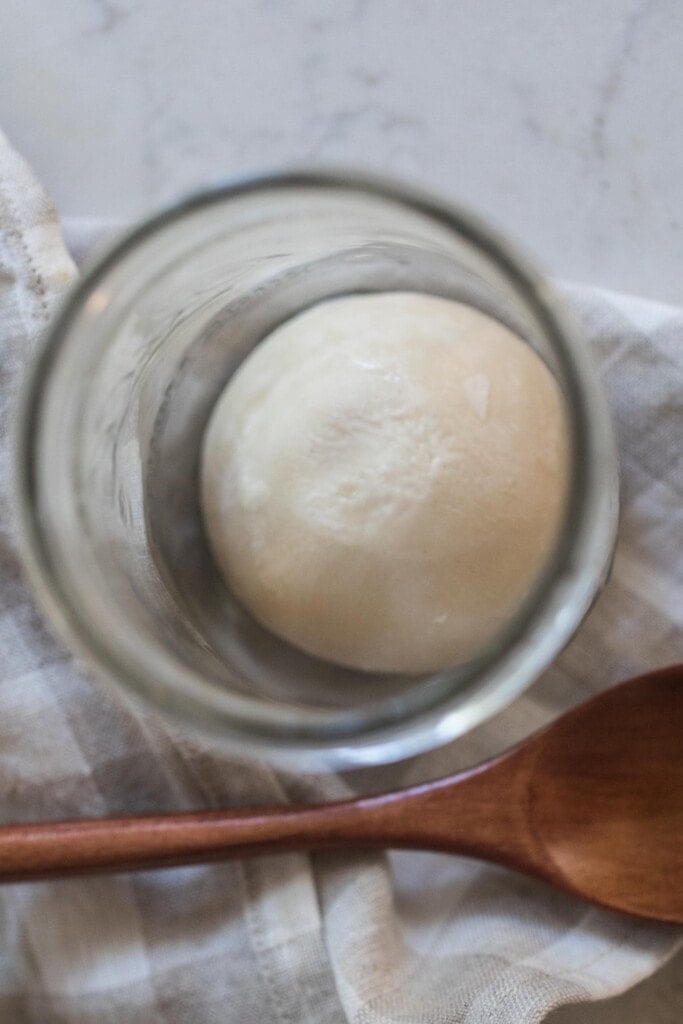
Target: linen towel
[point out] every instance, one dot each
(366, 938)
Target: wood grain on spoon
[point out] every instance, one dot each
(592, 804)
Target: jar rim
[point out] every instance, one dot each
(519, 655)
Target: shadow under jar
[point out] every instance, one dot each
(110, 443)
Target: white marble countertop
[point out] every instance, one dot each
(559, 121)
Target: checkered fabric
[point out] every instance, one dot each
(366, 938)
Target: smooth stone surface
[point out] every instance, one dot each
(560, 122)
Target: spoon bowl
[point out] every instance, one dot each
(607, 805)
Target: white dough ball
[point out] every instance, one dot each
(384, 478)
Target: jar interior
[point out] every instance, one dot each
(141, 362)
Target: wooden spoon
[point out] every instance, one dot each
(592, 804)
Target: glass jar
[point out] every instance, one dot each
(113, 417)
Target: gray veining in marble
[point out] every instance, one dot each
(560, 121)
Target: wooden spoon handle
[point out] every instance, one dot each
(63, 848)
(466, 813)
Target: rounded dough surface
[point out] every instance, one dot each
(384, 478)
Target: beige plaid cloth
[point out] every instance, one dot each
(404, 939)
